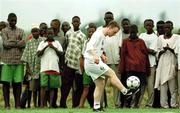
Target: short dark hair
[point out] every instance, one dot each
(160, 22)
(92, 25)
(169, 22)
(11, 15)
(56, 20)
(125, 19)
(109, 12)
(76, 17)
(148, 20)
(113, 24)
(34, 30)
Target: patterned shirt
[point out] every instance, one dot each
(75, 41)
(29, 56)
(12, 55)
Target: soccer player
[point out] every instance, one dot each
(94, 63)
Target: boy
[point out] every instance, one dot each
(166, 69)
(135, 62)
(13, 68)
(48, 51)
(33, 63)
(75, 39)
(94, 63)
(150, 39)
(87, 81)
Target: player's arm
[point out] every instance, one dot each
(41, 52)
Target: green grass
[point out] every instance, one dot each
(87, 110)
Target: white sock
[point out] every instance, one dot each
(96, 105)
(124, 91)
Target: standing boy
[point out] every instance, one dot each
(13, 68)
(48, 51)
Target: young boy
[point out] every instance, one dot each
(48, 51)
(13, 68)
(150, 39)
(94, 63)
(87, 81)
(33, 63)
(166, 70)
(135, 62)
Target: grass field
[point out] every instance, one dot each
(86, 110)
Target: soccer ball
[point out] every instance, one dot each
(133, 82)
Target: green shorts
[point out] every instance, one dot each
(87, 80)
(52, 80)
(12, 73)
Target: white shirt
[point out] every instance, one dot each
(49, 60)
(151, 43)
(96, 44)
(177, 51)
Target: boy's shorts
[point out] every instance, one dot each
(50, 80)
(12, 73)
(86, 79)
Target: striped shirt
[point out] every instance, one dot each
(12, 37)
(75, 41)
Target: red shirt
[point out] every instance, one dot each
(134, 56)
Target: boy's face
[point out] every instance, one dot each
(112, 31)
(50, 34)
(65, 26)
(43, 29)
(36, 34)
(108, 18)
(148, 25)
(160, 29)
(125, 25)
(76, 22)
(12, 21)
(90, 32)
(55, 25)
(168, 28)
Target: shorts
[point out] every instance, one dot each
(50, 81)
(86, 79)
(12, 73)
(95, 70)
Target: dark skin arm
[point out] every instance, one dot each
(40, 53)
(152, 52)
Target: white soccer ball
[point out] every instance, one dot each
(133, 82)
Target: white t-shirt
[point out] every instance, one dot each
(49, 60)
(96, 43)
(177, 51)
(151, 43)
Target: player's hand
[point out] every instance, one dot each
(96, 59)
(104, 58)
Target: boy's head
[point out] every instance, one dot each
(43, 28)
(113, 28)
(160, 27)
(108, 17)
(133, 31)
(35, 32)
(148, 25)
(2, 25)
(76, 22)
(50, 34)
(12, 19)
(91, 29)
(65, 26)
(55, 24)
(168, 27)
(125, 23)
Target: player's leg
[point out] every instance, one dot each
(100, 83)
